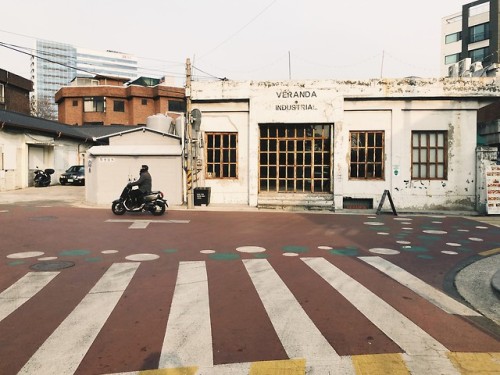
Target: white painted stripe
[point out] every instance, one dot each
(420, 346)
(139, 224)
(63, 351)
(188, 337)
(22, 290)
(423, 289)
(298, 334)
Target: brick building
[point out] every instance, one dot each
(105, 100)
(15, 92)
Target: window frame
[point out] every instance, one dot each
(369, 158)
(2, 93)
(98, 104)
(478, 57)
(453, 37)
(480, 35)
(452, 59)
(428, 148)
(120, 107)
(221, 157)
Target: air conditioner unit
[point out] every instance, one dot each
(475, 66)
(464, 65)
(453, 70)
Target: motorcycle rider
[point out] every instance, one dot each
(144, 183)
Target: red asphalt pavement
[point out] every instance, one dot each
(432, 248)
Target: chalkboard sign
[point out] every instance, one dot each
(387, 194)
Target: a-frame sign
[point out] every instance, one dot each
(387, 194)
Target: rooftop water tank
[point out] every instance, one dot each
(159, 122)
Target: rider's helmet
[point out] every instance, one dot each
(144, 168)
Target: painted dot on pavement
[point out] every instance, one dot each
(407, 228)
(373, 223)
(250, 249)
(383, 251)
(453, 244)
(109, 251)
(462, 230)
(350, 252)
(325, 247)
(383, 233)
(402, 218)
(26, 254)
(46, 258)
(74, 252)
(224, 256)
(481, 227)
(449, 252)
(290, 254)
(437, 222)
(475, 239)
(435, 231)
(403, 242)
(207, 251)
(142, 257)
(294, 249)
(415, 249)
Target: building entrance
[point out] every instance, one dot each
(295, 158)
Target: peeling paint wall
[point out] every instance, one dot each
(396, 107)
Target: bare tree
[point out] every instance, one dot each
(43, 108)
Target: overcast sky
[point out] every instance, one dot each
(241, 40)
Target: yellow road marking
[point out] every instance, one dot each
(380, 364)
(476, 363)
(288, 367)
(490, 252)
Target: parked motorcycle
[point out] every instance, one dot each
(42, 178)
(152, 202)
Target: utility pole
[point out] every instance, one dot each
(189, 138)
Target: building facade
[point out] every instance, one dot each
(470, 40)
(57, 64)
(103, 100)
(14, 92)
(340, 144)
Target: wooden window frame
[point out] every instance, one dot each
(429, 158)
(367, 155)
(221, 155)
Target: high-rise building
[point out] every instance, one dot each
(56, 64)
(470, 39)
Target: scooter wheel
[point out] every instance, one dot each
(118, 208)
(158, 209)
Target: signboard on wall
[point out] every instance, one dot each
(493, 189)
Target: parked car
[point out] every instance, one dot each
(74, 175)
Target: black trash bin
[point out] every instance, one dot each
(201, 196)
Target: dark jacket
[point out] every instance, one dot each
(144, 182)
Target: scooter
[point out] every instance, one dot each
(42, 178)
(152, 202)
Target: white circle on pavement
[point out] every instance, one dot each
(403, 242)
(373, 223)
(47, 258)
(383, 251)
(207, 251)
(109, 251)
(407, 228)
(462, 230)
(403, 218)
(437, 222)
(26, 254)
(475, 239)
(481, 227)
(290, 254)
(383, 233)
(325, 247)
(453, 244)
(429, 231)
(250, 249)
(449, 252)
(142, 257)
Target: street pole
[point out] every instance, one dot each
(189, 138)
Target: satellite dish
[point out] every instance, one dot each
(196, 119)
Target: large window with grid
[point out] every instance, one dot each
(295, 158)
(429, 155)
(221, 155)
(367, 155)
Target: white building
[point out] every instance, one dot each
(341, 144)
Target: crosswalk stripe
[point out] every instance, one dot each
(22, 290)
(424, 354)
(423, 289)
(188, 336)
(298, 334)
(63, 351)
